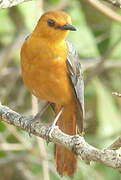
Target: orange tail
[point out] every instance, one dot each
(65, 159)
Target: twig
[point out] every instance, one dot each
(10, 3)
(42, 149)
(7, 53)
(116, 3)
(27, 174)
(116, 145)
(99, 67)
(17, 18)
(11, 147)
(21, 139)
(12, 159)
(75, 143)
(116, 94)
(105, 10)
(108, 64)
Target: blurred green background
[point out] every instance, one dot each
(25, 158)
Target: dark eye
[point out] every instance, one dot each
(50, 22)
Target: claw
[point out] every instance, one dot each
(36, 118)
(49, 132)
(53, 126)
(29, 126)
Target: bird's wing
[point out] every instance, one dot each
(76, 77)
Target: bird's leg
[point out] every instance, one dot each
(53, 125)
(41, 112)
(37, 117)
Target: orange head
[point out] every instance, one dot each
(54, 25)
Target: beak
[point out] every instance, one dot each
(67, 27)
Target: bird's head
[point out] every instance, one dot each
(54, 25)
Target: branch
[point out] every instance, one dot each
(116, 3)
(10, 3)
(117, 94)
(108, 64)
(7, 54)
(105, 10)
(116, 145)
(75, 143)
(99, 67)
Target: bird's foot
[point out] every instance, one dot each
(37, 118)
(49, 132)
(53, 126)
(30, 124)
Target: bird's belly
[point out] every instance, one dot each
(50, 85)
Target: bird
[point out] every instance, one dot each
(52, 72)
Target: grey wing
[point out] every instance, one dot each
(76, 77)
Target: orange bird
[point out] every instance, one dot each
(52, 72)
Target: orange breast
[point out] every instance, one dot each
(45, 74)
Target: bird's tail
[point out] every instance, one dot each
(65, 159)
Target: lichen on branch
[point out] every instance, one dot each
(75, 143)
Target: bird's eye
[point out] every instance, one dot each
(50, 22)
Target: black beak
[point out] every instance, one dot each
(67, 27)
